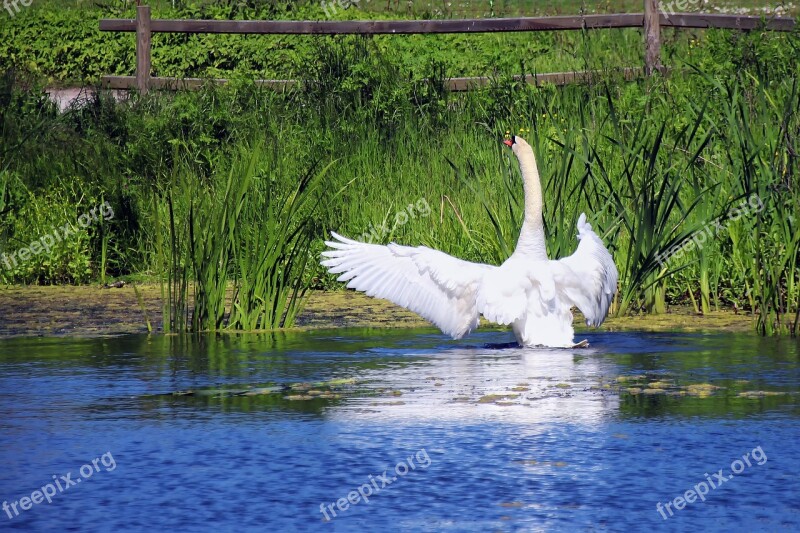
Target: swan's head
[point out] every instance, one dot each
(516, 143)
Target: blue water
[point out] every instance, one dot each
(216, 433)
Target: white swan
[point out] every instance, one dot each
(528, 291)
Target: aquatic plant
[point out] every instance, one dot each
(243, 247)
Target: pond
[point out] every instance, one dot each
(354, 429)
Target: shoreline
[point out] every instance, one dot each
(90, 310)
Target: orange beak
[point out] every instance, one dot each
(508, 142)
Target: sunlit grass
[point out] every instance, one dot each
(362, 149)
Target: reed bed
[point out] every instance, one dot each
(227, 194)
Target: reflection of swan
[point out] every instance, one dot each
(473, 385)
(529, 292)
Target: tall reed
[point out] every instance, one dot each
(237, 246)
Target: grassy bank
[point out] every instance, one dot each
(691, 180)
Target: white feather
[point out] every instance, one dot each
(591, 279)
(436, 286)
(528, 291)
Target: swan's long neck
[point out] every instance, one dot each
(531, 238)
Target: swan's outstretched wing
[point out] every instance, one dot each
(436, 286)
(590, 281)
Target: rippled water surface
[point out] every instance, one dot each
(265, 432)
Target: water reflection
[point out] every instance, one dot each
(475, 384)
(402, 375)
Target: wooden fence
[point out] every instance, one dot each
(651, 20)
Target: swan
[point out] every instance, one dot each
(529, 292)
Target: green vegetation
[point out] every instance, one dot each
(59, 42)
(690, 179)
(238, 228)
(65, 46)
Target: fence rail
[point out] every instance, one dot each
(406, 27)
(651, 20)
(451, 84)
(375, 27)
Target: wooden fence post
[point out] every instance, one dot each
(652, 36)
(143, 48)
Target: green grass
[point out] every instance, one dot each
(238, 186)
(63, 46)
(236, 232)
(462, 8)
